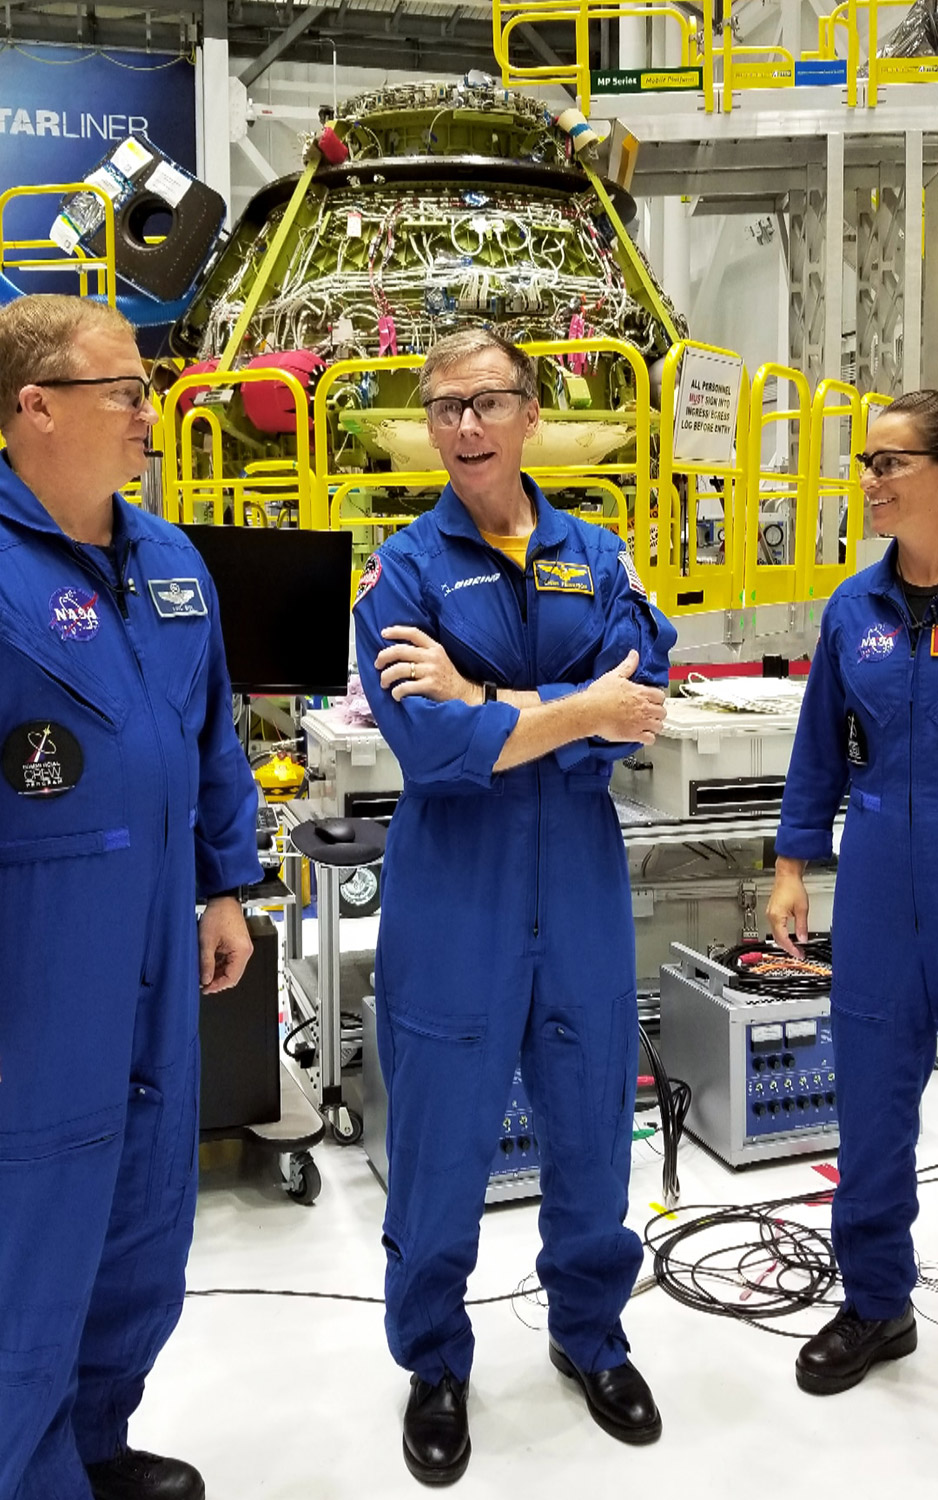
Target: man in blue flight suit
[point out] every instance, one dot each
(870, 722)
(509, 655)
(124, 798)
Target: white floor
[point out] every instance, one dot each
(277, 1397)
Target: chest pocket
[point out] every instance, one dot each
(879, 687)
(91, 815)
(570, 631)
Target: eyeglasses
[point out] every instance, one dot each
(133, 395)
(488, 406)
(888, 463)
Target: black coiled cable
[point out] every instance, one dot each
(784, 1268)
(764, 969)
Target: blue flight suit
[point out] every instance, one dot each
(506, 927)
(870, 720)
(123, 793)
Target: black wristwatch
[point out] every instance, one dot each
(490, 692)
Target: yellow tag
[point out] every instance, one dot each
(934, 640)
(659, 1208)
(563, 577)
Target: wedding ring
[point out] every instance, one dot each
(413, 671)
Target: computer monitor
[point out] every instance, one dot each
(284, 599)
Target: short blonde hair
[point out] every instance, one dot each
(37, 338)
(468, 341)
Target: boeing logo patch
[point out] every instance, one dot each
(469, 583)
(563, 577)
(72, 614)
(177, 598)
(877, 643)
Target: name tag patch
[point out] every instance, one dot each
(857, 751)
(563, 577)
(72, 614)
(41, 759)
(177, 598)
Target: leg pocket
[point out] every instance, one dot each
(563, 1113)
(434, 1081)
(140, 1181)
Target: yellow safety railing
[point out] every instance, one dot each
(891, 69)
(324, 480)
(821, 578)
(78, 260)
(698, 585)
(773, 67)
(872, 405)
(509, 14)
(743, 67)
(181, 488)
(772, 582)
(682, 581)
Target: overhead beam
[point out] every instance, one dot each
(282, 43)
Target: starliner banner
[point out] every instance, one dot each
(63, 108)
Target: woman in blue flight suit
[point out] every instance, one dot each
(124, 796)
(870, 722)
(506, 926)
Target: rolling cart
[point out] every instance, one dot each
(314, 994)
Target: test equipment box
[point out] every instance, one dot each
(709, 762)
(761, 1071)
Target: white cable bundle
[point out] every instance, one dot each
(752, 695)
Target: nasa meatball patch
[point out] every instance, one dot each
(370, 575)
(41, 759)
(72, 614)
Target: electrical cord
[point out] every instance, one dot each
(673, 1099)
(786, 1268)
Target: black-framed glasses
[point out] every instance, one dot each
(488, 406)
(887, 463)
(133, 397)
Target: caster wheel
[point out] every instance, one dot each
(347, 1129)
(360, 894)
(305, 1183)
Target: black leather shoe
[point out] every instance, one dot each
(436, 1430)
(618, 1399)
(134, 1475)
(846, 1348)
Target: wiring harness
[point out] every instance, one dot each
(765, 970)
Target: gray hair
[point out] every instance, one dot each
(468, 341)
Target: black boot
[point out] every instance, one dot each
(436, 1430)
(619, 1400)
(134, 1475)
(846, 1348)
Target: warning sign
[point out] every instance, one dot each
(707, 402)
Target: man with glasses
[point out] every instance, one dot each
(509, 655)
(869, 728)
(124, 798)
